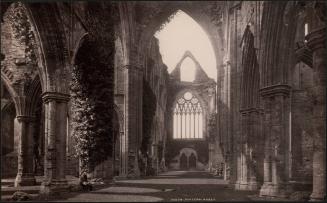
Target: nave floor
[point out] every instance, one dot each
(169, 186)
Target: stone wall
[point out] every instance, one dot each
(203, 88)
(225, 24)
(156, 76)
(8, 141)
(302, 142)
(17, 45)
(301, 121)
(175, 146)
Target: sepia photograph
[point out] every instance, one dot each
(163, 101)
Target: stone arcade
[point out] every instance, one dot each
(84, 88)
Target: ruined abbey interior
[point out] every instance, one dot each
(85, 90)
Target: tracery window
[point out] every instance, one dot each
(188, 118)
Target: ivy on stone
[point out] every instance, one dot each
(22, 30)
(92, 104)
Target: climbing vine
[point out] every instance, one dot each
(92, 87)
(22, 30)
(214, 11)
(92, 103)
(152, 11)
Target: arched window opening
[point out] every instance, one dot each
(306, 29)
(183, 33)
(188, 70)
(188, 118)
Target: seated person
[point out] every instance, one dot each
(86, 186)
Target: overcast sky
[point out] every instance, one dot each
(183, 33)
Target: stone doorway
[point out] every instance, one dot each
(183, 162)
(192, 162)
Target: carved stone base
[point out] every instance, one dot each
(54, 187)
(244, 185)
(274, 190)
(120, 177)
(299, 185)
(25, 180)
(315, 197)
(134, 174)
(133, 168)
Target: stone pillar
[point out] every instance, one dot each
(247, 174)
(55, 143)
(25, 174)
(155, 157)
(316, 42)
(275, 132)
(133, 117)
(123, 155)
(211, 157)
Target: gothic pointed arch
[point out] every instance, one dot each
(44, 38)
(250, 73)
(50, 38)
(277, 51)
(199, 74)
(208, 21)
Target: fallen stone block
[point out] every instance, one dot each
(21, 196)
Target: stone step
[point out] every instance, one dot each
(27, 189)
(7, 183)
(8, 197)
(8, 189)
(12, 183)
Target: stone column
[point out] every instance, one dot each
(246, 177)
(276, 100)
(133, 117)
(55, 143)
(316, 42)
(188, 162)
(25, 174)
(211, 161)
(154, 156)
(123, 155)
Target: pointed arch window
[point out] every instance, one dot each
(188, 118)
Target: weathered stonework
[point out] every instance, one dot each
(264, 117)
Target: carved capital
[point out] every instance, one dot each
(25, 118)
(55, 96)
(249, 111)
(275, 90)
(133, 67)
(316, 39)
(22, 104)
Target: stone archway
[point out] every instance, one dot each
(188, 159)
(197, 12)
(136, 34)
(192, 161)
(41, 69)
